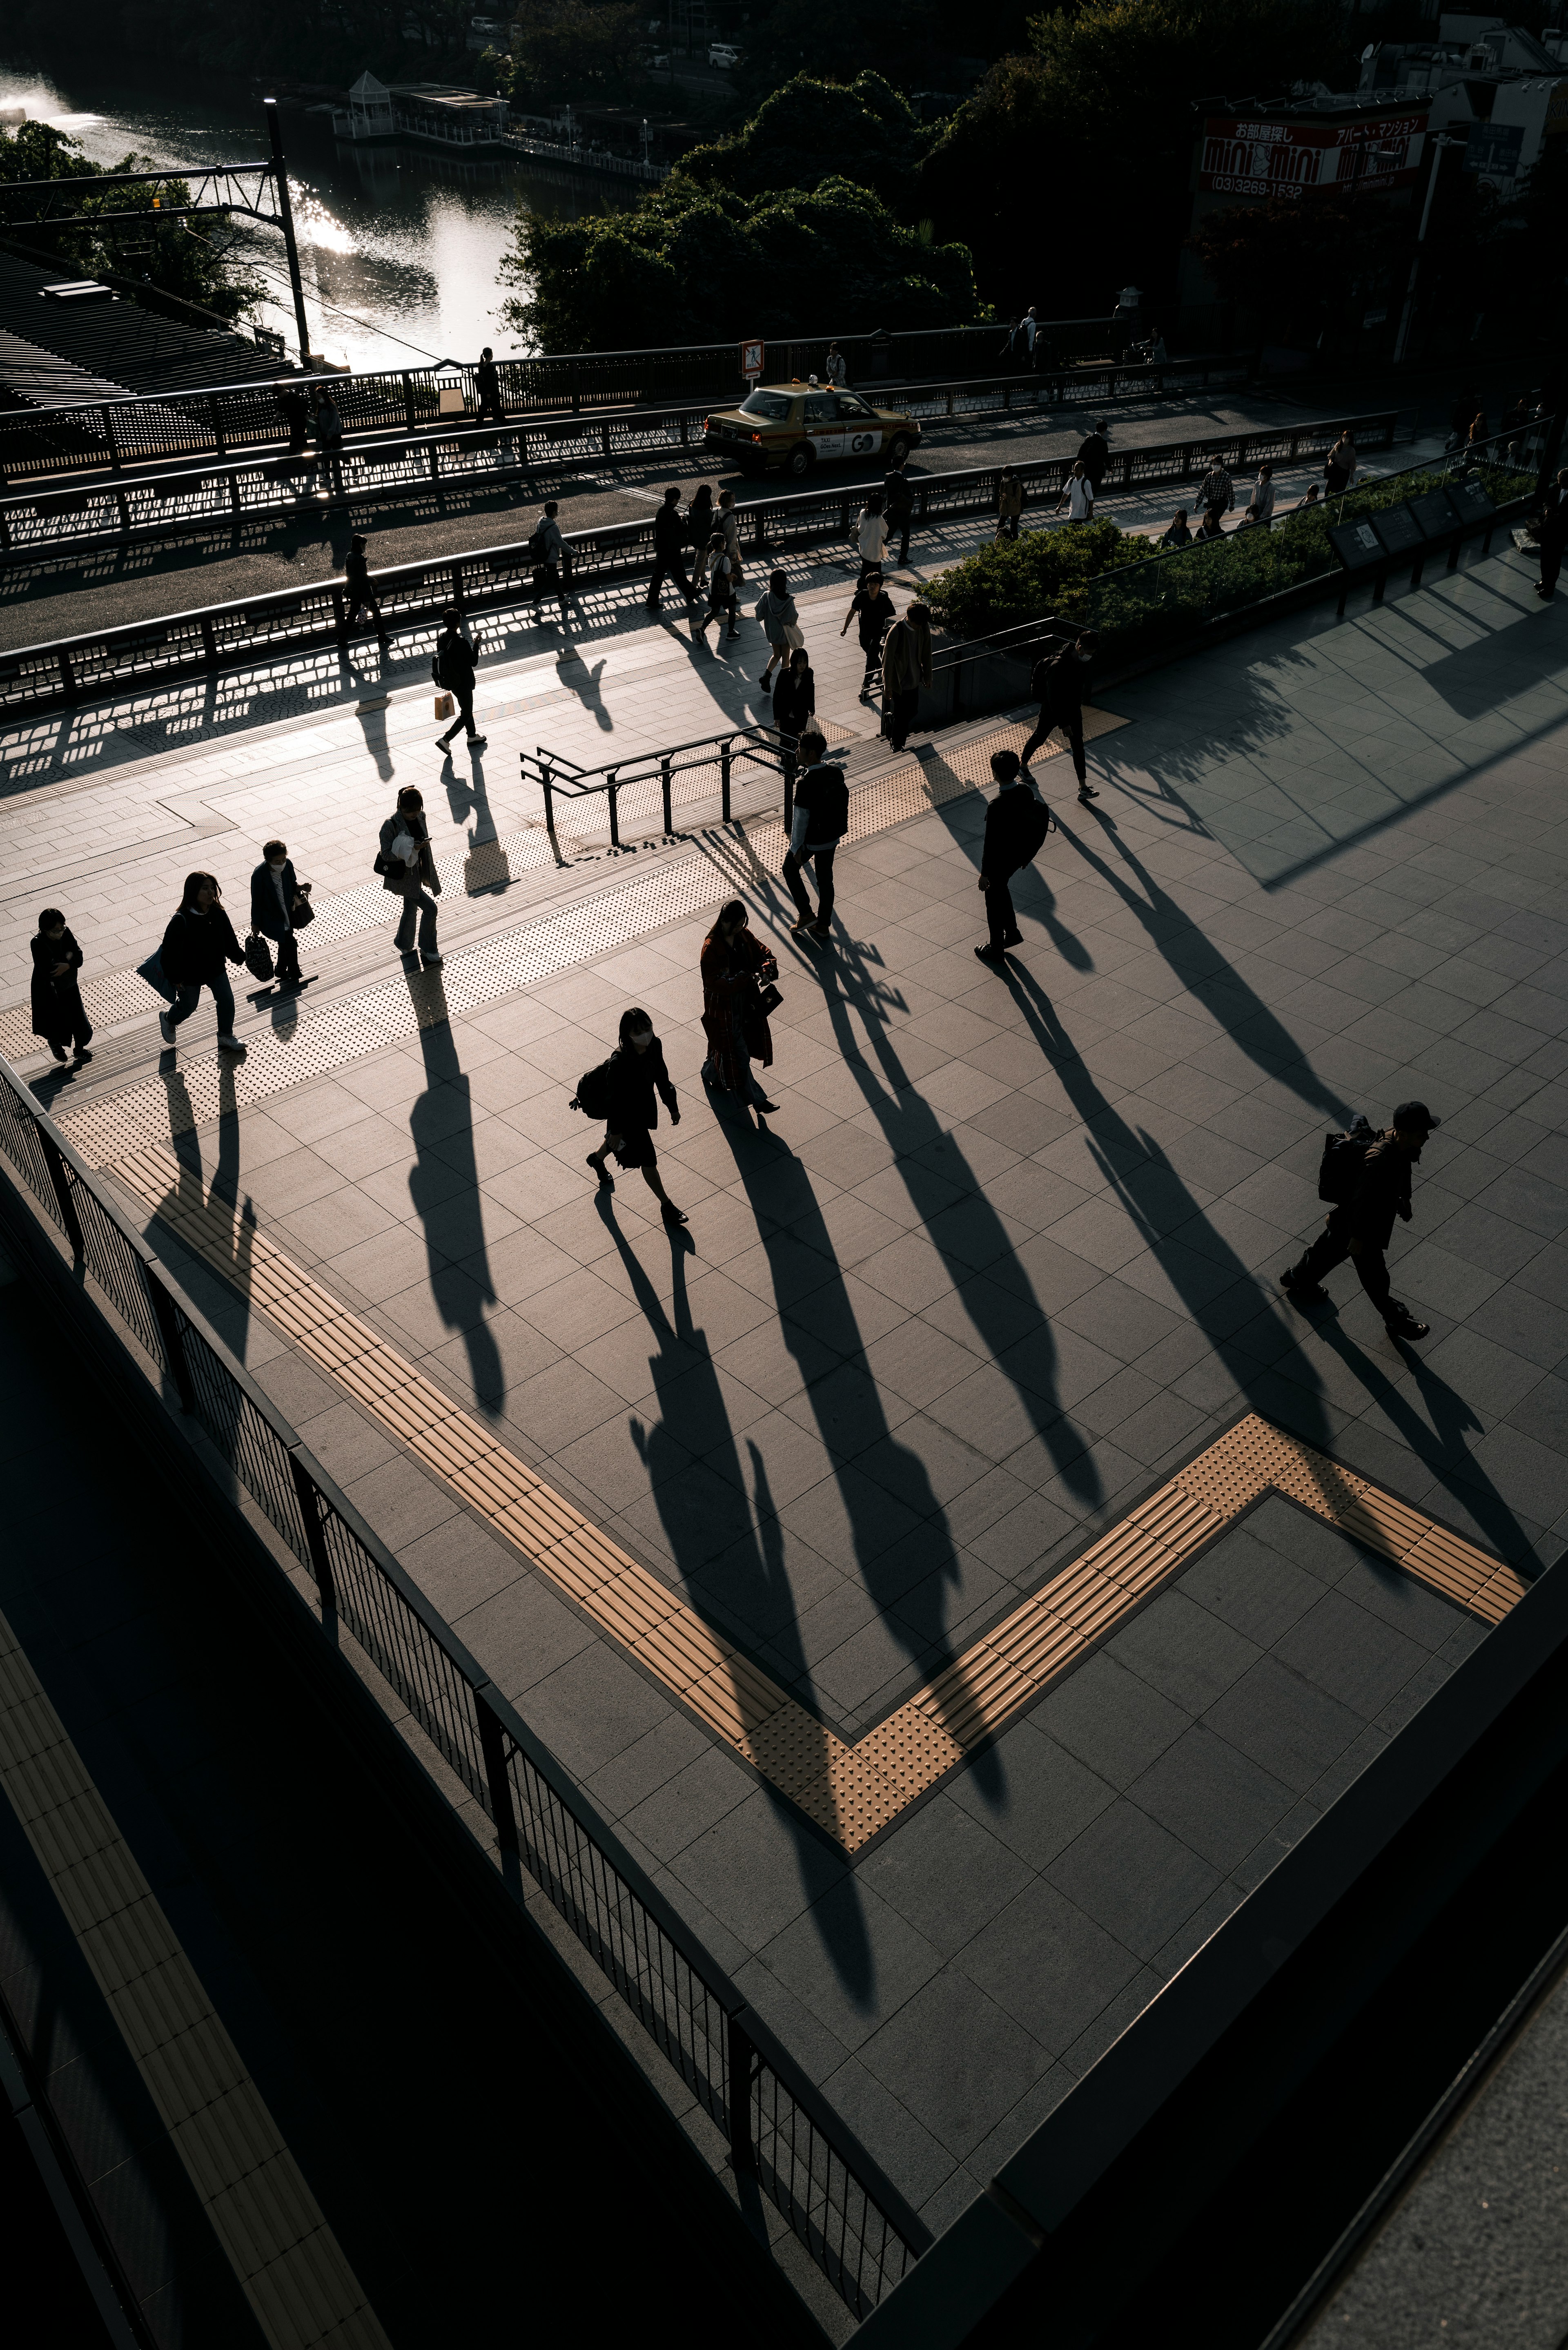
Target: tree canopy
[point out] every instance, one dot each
(683, 265)
(570, 49)
(812, 131)
(1071, 164)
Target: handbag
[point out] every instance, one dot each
(443, 706)
(152, 971)
(258, 957)
(302, 911)
(768, 1000)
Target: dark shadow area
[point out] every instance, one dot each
(1207, 976)
(192, 1190)
(373, 724)
(903, 1546)
(729, 1552)
(443, 1184)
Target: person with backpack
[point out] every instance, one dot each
(626, 1092)
(780, 623)
(1094, 455)
(871, 537)
(408, 867)
(1367, 1197)
(818, 823)
(454, 670)
(198, 943)
(547, 554)
(59, 1015)
(1078, 492)
(1059, 679)
(1009, 503)
(670, 551)
(1016, 823)
(723, 571)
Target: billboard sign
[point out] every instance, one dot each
(1277, 157)
(1493, 148)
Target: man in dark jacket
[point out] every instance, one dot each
(1363, 1227)
(1013, 834)
(899, 508)
(273, 889)
(819, 822)
(196, 945)
(1059, 679)
(454, 669)
(1094, 455)
(669, 550)
(358, 591)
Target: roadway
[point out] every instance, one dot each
(106, 587)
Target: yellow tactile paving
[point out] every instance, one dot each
(852, 1792)
(273, 2231)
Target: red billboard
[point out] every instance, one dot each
(1287, 158)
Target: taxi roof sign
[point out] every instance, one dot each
(751, 355)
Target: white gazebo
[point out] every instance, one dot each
(369, 108)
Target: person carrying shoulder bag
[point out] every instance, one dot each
(408, 867)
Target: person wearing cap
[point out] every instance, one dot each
(1362, 1227)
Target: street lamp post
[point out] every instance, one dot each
(1440, 141)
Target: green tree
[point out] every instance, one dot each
(682, 266)
(171, 257)
(812, 131)
(1068, 172)
(1307, 271)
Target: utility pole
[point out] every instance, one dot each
(1440, 141)
(286, 213)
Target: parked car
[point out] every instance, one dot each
(791, 427)
(722, 54)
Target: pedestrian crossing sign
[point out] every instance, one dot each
(751, 355)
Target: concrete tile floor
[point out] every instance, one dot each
(1005, 1258)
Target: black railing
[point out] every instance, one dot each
(413, 596)
(686, 775)
(853, 2220)
(227, 417)
(465, 455)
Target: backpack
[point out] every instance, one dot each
(535, 550)
(1041, 681)
(1042, 825)
(593, 1093)
(1344, 1162)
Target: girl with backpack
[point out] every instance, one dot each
(628, 1089)
(725, 570)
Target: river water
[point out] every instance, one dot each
(400, 247)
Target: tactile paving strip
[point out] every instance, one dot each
(477, 976)
(851, 1791)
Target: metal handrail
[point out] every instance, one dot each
(292, 619)
(222, 489)
(781, 2132)
(557, 777)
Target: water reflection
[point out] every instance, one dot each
(406, 239)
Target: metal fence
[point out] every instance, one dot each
(228, 416)
(465, 455)
(832, 2196)
(413, 596)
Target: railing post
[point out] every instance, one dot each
(209, 643)
(614, 790)
(219, 443)
(340, 617)
(740, 2056)
(67, 675)
(59, 1176)
(549, 804)
(408, 401)
(664, 795)
(168, 1322)
(316, 1544)
(724, 781)
(492, 1746)
(789, 773)
(110, 436)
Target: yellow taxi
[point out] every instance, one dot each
(789, 427)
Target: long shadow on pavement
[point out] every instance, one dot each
(443, 1184)
(693, 1425)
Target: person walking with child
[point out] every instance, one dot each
(59, 1015)
(637, 1081)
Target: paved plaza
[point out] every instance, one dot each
(1002, 1265)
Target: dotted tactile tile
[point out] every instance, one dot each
(851, 1791)
(200, 1090)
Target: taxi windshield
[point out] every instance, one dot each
(771, 405)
